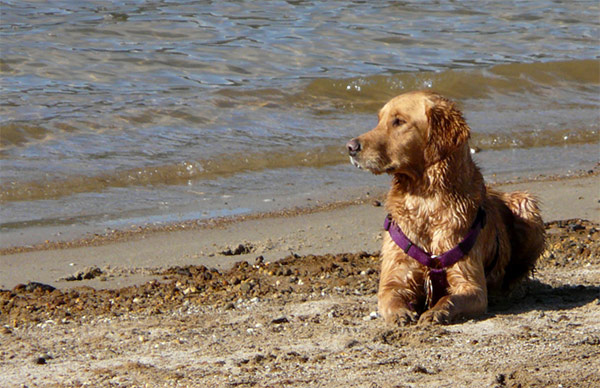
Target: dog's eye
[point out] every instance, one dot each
(398, 122)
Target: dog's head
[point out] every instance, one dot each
(415, 130)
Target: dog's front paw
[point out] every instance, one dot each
(435, 316)
(400, 317)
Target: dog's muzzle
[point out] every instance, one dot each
(354, 148)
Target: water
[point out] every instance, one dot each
(131, 112)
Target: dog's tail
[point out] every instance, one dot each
(527, 236)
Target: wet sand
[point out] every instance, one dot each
(172, 309)
(130, 257)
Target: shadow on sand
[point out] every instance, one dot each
(538, 296)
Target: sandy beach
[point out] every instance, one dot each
(289, 299)
(130, 256)
(177, 207)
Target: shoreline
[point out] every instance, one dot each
(134, 256)
(126, 234)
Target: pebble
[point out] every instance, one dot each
(280, 320)
(420, 369)
(245, 287)
(241, 249)
(86, 274)
(34, 286)
(501, 379)
(371, 316)
(40, 360)
(190, 290)
(573, 227)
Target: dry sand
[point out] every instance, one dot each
(171, 308)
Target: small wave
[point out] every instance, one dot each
(228, 165)
(17, 133)
(20, 133)
(365, 94)
(534, 139)
(172, 174)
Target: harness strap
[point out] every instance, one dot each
(436, 286)
(437, 283)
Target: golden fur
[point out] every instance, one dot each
(422, 141)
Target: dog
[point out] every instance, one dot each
(450, 240)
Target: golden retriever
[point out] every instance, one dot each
(438, 196)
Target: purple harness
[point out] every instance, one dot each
(437, 283)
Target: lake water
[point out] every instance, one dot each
(132, 112)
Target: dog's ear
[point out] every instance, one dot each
(448, 129)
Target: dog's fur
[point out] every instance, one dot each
(422, 141)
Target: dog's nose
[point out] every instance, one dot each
(353, 147)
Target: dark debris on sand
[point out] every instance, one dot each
(570, 243)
